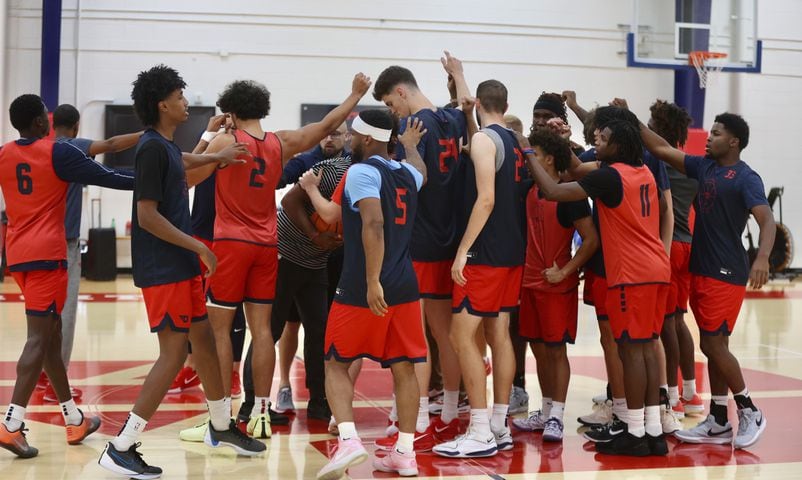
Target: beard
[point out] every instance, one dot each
(357, 154)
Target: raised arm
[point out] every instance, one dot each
(759, 274)
(453, 66)
(409, 139)
(221, 152)
(296, 141)
(373, 240)
(569, 96)
(560, 192)
(657, 144)
(116, 143)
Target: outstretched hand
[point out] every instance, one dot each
(232, 154)
(360, 85)
(620, 103)
(451, 64)
(413, 133)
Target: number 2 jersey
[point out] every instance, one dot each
(436, 232)
(34, 176)
(245, 195)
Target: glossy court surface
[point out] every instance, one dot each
(114, 351)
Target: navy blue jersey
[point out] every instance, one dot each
(72, 218)
(502, 242)
(436, 236)
(203, 211)
(398, 194)
(725, 198)
(160, 176)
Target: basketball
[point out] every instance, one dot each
(322, 226)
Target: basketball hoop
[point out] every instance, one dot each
(707, 64)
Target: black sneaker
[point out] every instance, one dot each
(607, 432)
(234, 438)
(128, 463)
(625, 444)
(318, 409)
(277, 418)
(657, 445)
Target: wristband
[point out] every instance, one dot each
(528, 151)
(208, 136)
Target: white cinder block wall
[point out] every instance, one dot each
(308, 51)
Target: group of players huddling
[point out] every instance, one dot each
(452, 221)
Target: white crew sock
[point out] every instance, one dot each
(557, 410)
(72, 416)
(15, 415)
(450, 406)
(219, 414)
(128, 436)
(498, 421)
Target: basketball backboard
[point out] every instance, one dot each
(664, 32)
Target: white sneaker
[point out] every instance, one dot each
(600, 398)
(503, 439)
(601, 415)
(708, 431)
(751, 424)
(519, 401)
(535, 422)
(669, 421)
(553, 431)
(469, 445)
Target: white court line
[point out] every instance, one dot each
(781, 349)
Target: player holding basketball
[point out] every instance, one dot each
(729, 191)
(376, 312)
(245, 231)
(34, 175)
(487, 273)
(435, 239)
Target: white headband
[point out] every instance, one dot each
(380, 134)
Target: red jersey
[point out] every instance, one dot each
(245, 195)
(630, 232)
(547, 241)
(35, 203)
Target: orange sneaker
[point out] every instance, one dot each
(694, 406)
(16, 443)
(77, 433)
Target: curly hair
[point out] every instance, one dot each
(246, 99)
(389, 78)
(627, 138)
(608, 113)
(554, 103)
(554, 145)
(25, 109)
(151, 87)
(671, 122)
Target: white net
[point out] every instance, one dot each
(708, 65)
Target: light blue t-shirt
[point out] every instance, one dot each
(364, 181)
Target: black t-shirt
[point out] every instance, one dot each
(570, 212)
(604, 184)
(160, 176)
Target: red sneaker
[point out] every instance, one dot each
(424, 441)
(51, 397)
(41, 384)
(488, 366)
(236, 385)
(445, 432)
(186, 379)
(694, 406)
(679, 410)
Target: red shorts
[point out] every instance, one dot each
(677, 300)
(434, 279)
(354, 332)
(715, 304)
(488, 291)
(245, 272)
(636, 311)
(548, 317)
(599, 289)
(44, 290)
(587, 287)
(175, 305)
(203, 265)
